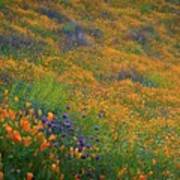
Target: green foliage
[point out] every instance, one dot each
(64, 1)
(19, 47)
(173, 1)
(4, 2)
(134, 48)
(146, 8)
(69, 27)
(45, 93)
(1, 4)
(156, 80)
(130, 132)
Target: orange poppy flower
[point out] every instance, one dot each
(44, 145)
(4, 114)
(9, 129)
(25, 124)
(12, 114)
(29, 176)
(16, 136)
(26, 141)
(102, 177)
(77, 177)
(1, 175)
(50, 116)
(52, 137)
(142, 177)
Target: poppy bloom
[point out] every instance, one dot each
(1, 175)
(16, 136)
(8, 129)
(29, 176)
(4, 114)
(142, 177)
(55, 167)
(52, 137)
(102, 177)
(44, 145)
(77, 177)
(12, 114)
(25, 124)
(26, 141)
(50, 116)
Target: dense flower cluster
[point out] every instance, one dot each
(50, 133)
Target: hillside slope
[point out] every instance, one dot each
(112, 65)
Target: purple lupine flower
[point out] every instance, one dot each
(88, 146)
(44, 120)
(81, 141)
(49, 123)
(65, 116)
(97, 158)
(67, 123)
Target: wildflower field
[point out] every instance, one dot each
(89, 90)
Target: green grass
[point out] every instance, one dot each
(146, 8)
(156, 80)
(45, 93)
(1, 4)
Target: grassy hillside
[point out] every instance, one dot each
(89, 89)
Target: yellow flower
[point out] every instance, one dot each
(62, 148)
(62, 177)
(28, 104)
(122, 171)
(52, 137)
(6, 92)
(16, 99)
(55, 167)
(150, 173)
(40, 137)
(154, 162)
(50, 116)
